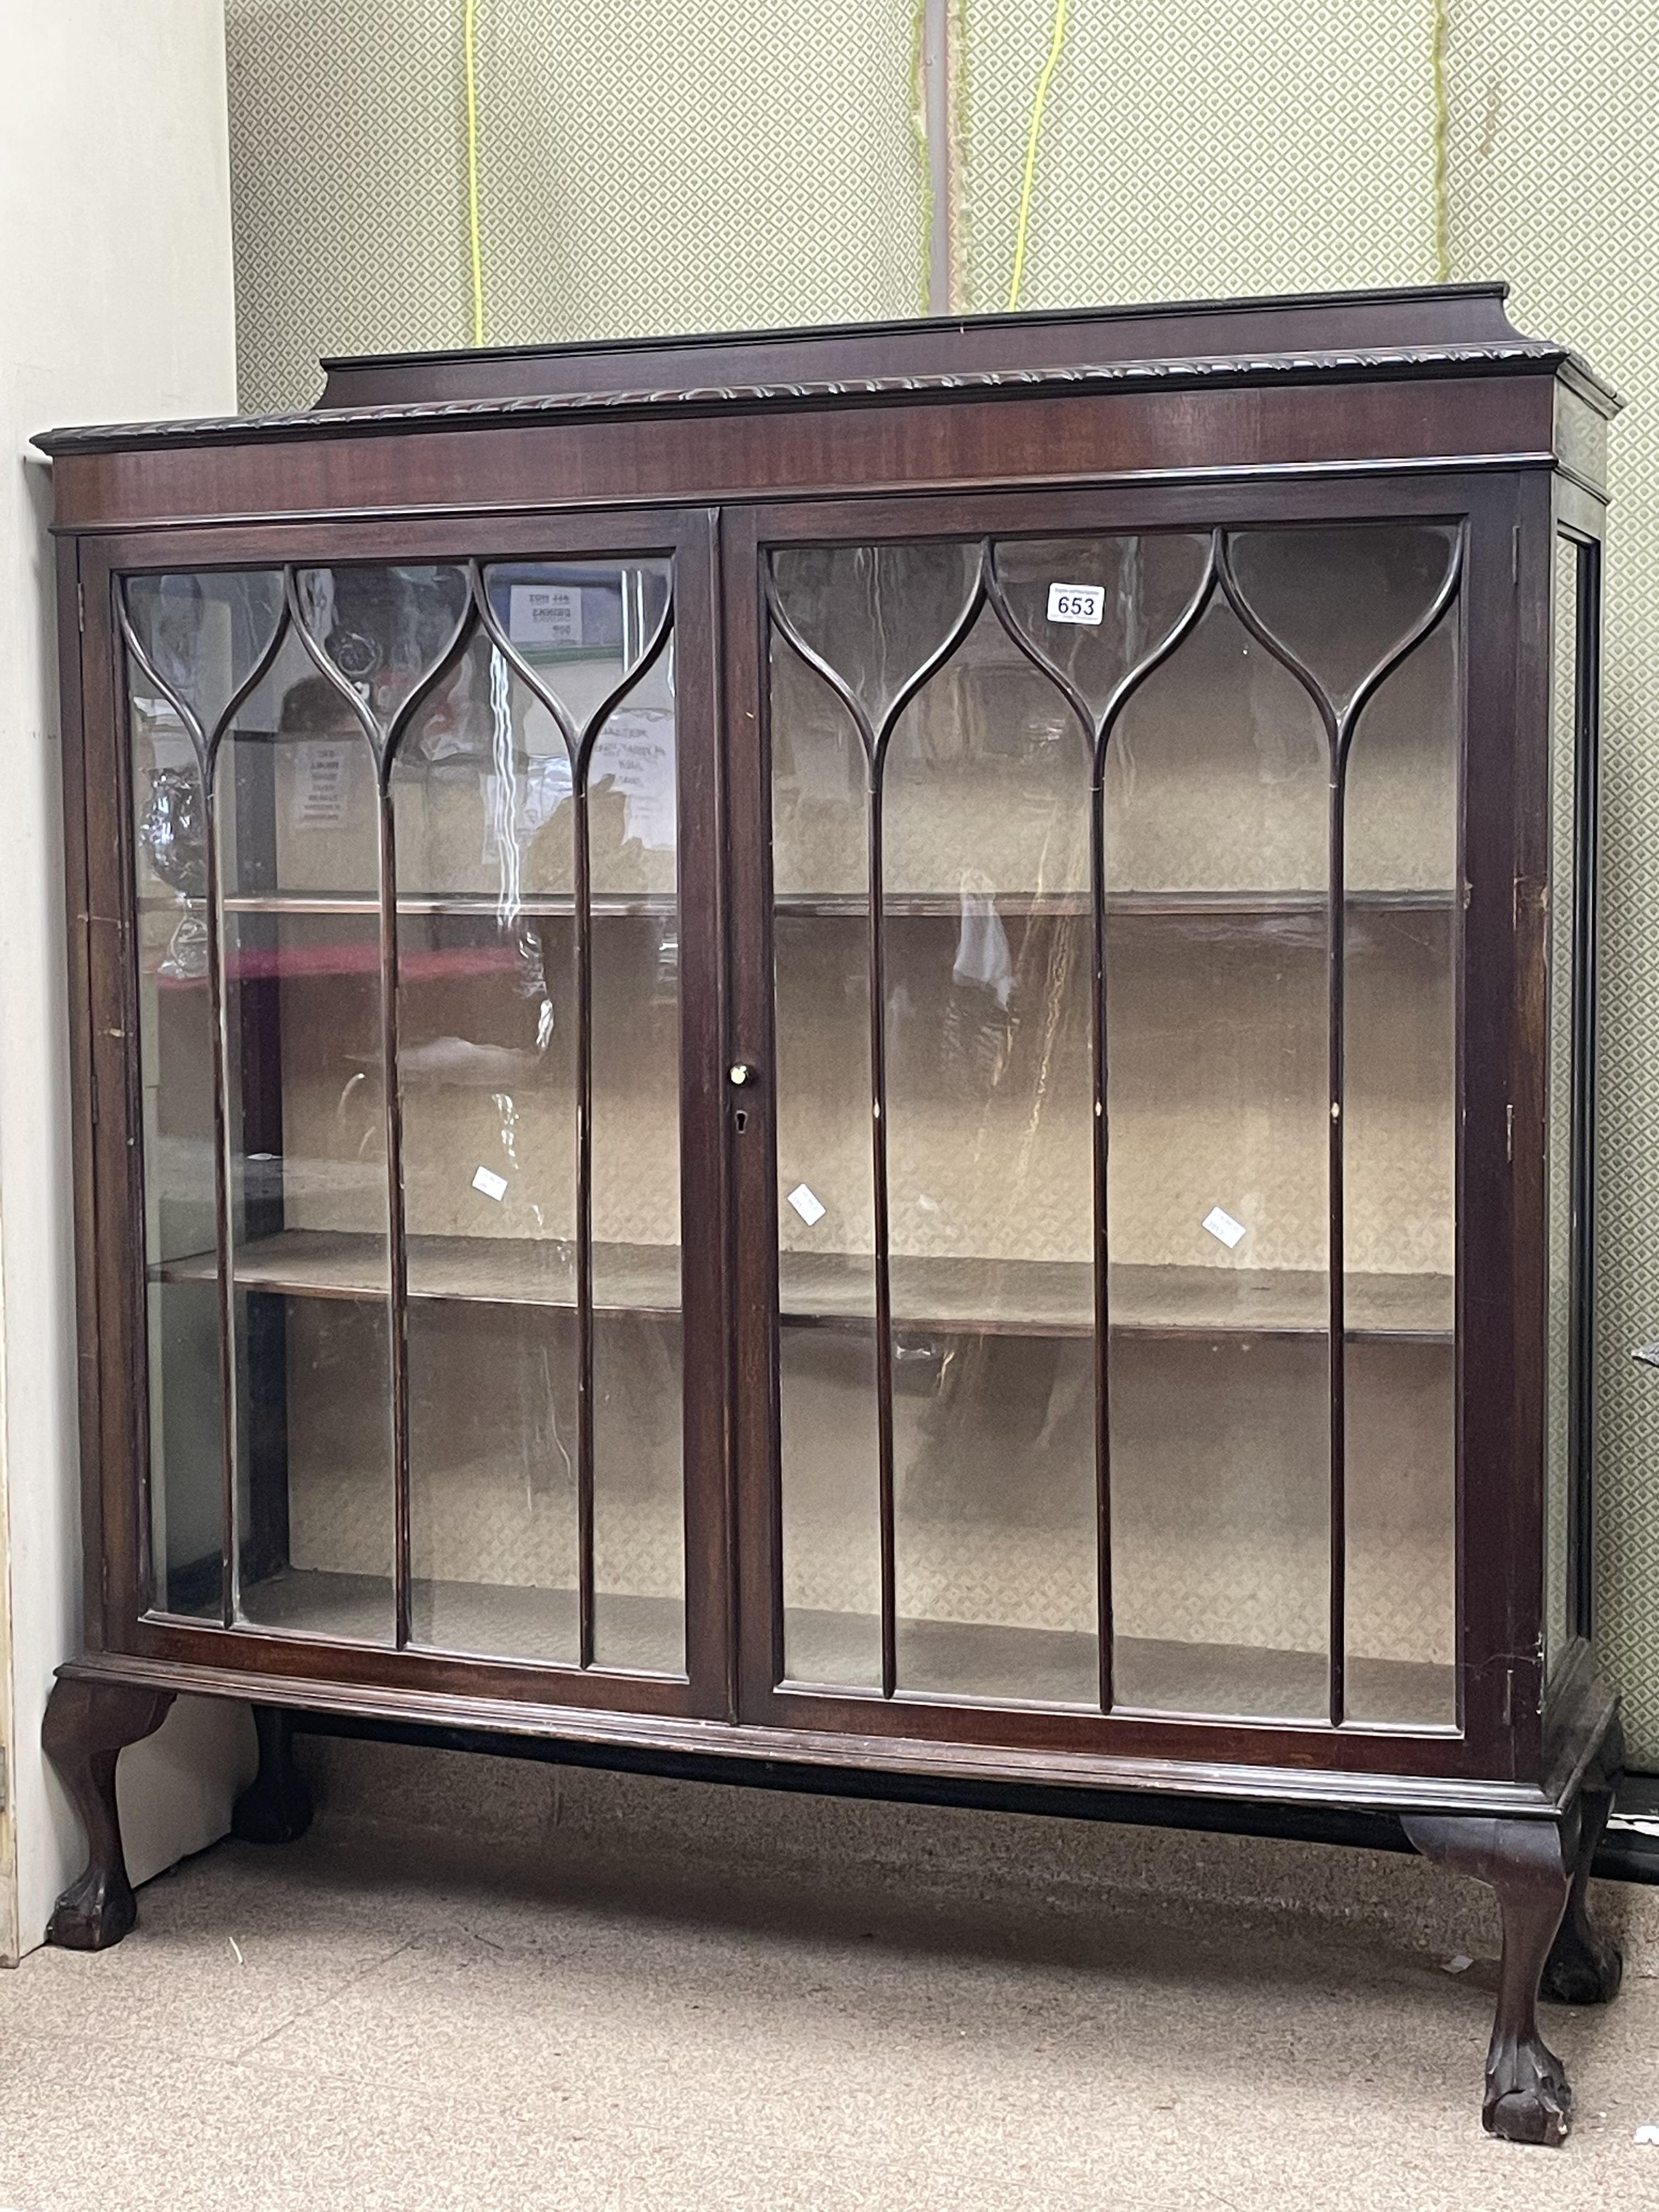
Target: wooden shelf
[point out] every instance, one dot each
(1150, 905)
(1055, 1298)
(841, 1650)
(851, 906)
(462, 906)
(287, 963)
(327, 1263)
(1048, 1666)
(644, 1635)
(977, 1298)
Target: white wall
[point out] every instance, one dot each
(115, 302)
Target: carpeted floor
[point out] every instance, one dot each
(390, 2025)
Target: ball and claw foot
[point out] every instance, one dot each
(276, 1807)
(1584, 1968)
(95, 1911)
(1529, 2099)
(87, 1723)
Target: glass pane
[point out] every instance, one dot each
(583, 626)
(175, 1060)
(990, 1182)
(985, 791)
(1218, 1218)
(1145, 586)
(486, 1027)
(1399, 1182)
(383, 628)
(827, 1386)
(639, 1517)
(489, 1022)
(204, 634)
(1562, 1379)
(875, 613)
(298, 819)
(1343, 598)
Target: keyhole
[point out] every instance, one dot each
(741, 1118)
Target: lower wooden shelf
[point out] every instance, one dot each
(1047, 1665)
(642, 1635)
(836, 1652)
(977, 1296)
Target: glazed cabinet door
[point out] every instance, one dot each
(422, 965)
(1099, 1174)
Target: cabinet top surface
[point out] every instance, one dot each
(1427, 330)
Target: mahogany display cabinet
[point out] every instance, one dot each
(861, 1050)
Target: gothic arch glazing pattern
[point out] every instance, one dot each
(1116, 1117)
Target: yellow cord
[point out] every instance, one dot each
(1044, 82)
(472, 172)
(1441, 127)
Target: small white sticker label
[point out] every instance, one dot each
(1222, 1226)
(1077, 602)
(491, 1184)
(810, 1207)
(320, 786)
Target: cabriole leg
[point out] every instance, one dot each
(1529, 1865)
(87, 1726)
(276, 1807)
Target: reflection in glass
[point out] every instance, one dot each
(1344, 598)
(204, 632)
(986, 788)
(1400, 1169)
(876, 614)
(1217, 1136)
(175, 1063)
(1563, 1136)
(582, 625)
(639, 1539)
(383, 628)
(297, 808)
(487, 1026)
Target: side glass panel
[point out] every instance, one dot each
(1565, 1376)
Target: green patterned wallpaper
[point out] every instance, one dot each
(641, 168)
(1193, 148)
(759, 165)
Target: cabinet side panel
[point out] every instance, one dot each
(1502, 1340)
